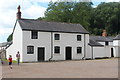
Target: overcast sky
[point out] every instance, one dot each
(31, 9)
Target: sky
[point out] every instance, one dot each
(31, 9)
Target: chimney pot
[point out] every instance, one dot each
(104, 34)
(19, 13)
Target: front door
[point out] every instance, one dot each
(41, 53)
(112, 55)
(68, 53)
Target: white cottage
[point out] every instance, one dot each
(42, 41)
(116, 44)
(101, 46)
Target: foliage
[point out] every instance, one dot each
(104, 16)
(9, 38)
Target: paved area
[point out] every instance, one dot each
(102, 68)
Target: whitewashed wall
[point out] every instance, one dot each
(89, 54)
(87, 47)
(110, 43)
(68, 40)
(44, 40)
(119, 51)
(98, 52)
(116, 44)
(108, 51)
(116, 51)
(17, 43)
(101, 52)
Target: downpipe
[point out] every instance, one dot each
(51, 47)
(84, 49)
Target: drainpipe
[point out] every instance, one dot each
(51, 46)
(84, 48)
(92, 51)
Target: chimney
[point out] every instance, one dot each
(104, 34)
(18, 13)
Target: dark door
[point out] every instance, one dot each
(41, 53)
(112, 55)
(68, 53)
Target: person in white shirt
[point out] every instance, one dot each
(18, 57)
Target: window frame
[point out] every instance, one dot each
(56, 36)
(57, 49)
(79, 37)
(34, 34)
(30, 49)
(80, 50)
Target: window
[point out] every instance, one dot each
(56, 49)
(78, 37)
(57, 37)
(106, 43)
(34, 34)
(79, 50)
(30, 49)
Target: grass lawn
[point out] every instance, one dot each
(5, 60)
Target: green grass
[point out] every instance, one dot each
(14, 61)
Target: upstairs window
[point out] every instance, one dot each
(57, 49)
(34, 34)
(78, 37)
(30, 49)
(106, 43)
(79, 50)
(57, 36)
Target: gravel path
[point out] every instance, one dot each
(102, 68)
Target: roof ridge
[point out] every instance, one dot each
(49, 21)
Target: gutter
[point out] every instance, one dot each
(84, 49)
(51, 46)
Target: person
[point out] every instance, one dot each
(10, 61)
(18, 57)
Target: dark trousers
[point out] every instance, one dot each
(18, 61)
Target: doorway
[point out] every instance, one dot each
(41, 53)
(68, 53)
(112, 55)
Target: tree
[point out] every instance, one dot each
(71, 12)
(59, 11)
(82, 13)
(9, 38)
(104, 16)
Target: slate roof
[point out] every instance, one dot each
(94, 43)
(101, 38)
(95, 39)
(30, 24)
(117, 37)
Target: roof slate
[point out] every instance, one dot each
(95, 39)
(101, 38)
(117, 37)
(30, 24)
(94, 43)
